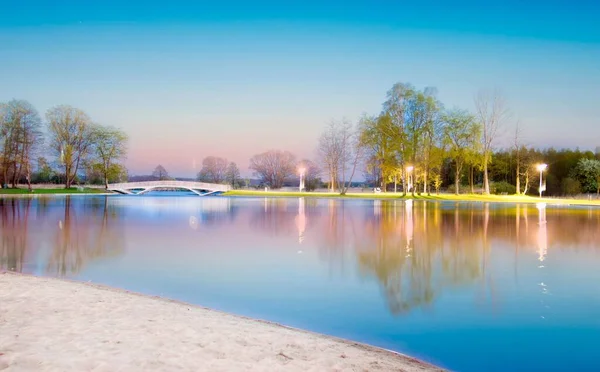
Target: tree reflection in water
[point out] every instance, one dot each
(82, 232)
(415, 250)
(86, 233)
(14, 233)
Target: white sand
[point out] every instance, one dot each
(55, 325)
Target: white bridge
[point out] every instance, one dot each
(140, 188)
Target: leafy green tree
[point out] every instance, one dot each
(44, 172)
(461, 133)
(110, 146)
(587, 172)
(377, 134)
(570, 186)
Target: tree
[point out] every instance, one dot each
(517, 145)
(20, 127)
(377, 137)
(340, 150)
(213, 170)
(160, 173)
(273, 167)
(415, 131)
(71, 138)
(110, 145)
(232, 174)
(491, 113)
(44, 172)
(462, 133)
(587, 172)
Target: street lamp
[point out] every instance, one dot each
(409, 170)
(301, 170)
(541, 168)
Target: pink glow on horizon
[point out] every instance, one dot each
(182, 157)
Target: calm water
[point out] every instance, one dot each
(470, 287)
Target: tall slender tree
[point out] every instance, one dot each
(491, 113)
(110, 146)
(462, 133)
(71, 138)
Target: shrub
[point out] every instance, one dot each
(570, 186)
(502, 188)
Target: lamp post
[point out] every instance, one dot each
(409, 170)
(541, 168)
(301, 187)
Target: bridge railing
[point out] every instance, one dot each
(185, 184)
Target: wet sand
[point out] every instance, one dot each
(58, 325)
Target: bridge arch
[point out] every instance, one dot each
(198, 188)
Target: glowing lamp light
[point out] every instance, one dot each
(301, 186)
(541, 168)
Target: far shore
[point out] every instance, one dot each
(97, 191)
(433, 197)
(51, 324)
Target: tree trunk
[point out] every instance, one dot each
(472, 178)
(518, 182)
(486, 181)
(457, 181)
(28, 176)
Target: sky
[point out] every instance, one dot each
(236, 78)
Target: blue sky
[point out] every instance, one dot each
(237, 78)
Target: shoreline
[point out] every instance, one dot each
(462, 198)
(72, 313)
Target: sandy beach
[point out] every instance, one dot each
(57, 325)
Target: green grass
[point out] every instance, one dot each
(441, 197)
(22, 191)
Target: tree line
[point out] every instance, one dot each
(68, 135)
(419, 146)
(413, 144)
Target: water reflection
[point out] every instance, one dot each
(443, 270)
(66, 237)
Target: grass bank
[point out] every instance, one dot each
(440, 197)
(73, 190)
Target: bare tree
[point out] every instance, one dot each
(337, 150)
(20, 126)
(273, 167)
(71, 138)
(520, 157)
(213, 170)
(160, 173)
(110, 145)
(491, 113)
(232, 174)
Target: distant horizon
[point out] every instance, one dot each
(187, 81)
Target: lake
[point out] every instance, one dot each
(467, 286)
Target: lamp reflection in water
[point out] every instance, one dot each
(542, 236)
(409, 227)
(193, 222)
(301, 220)
(376, 207)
